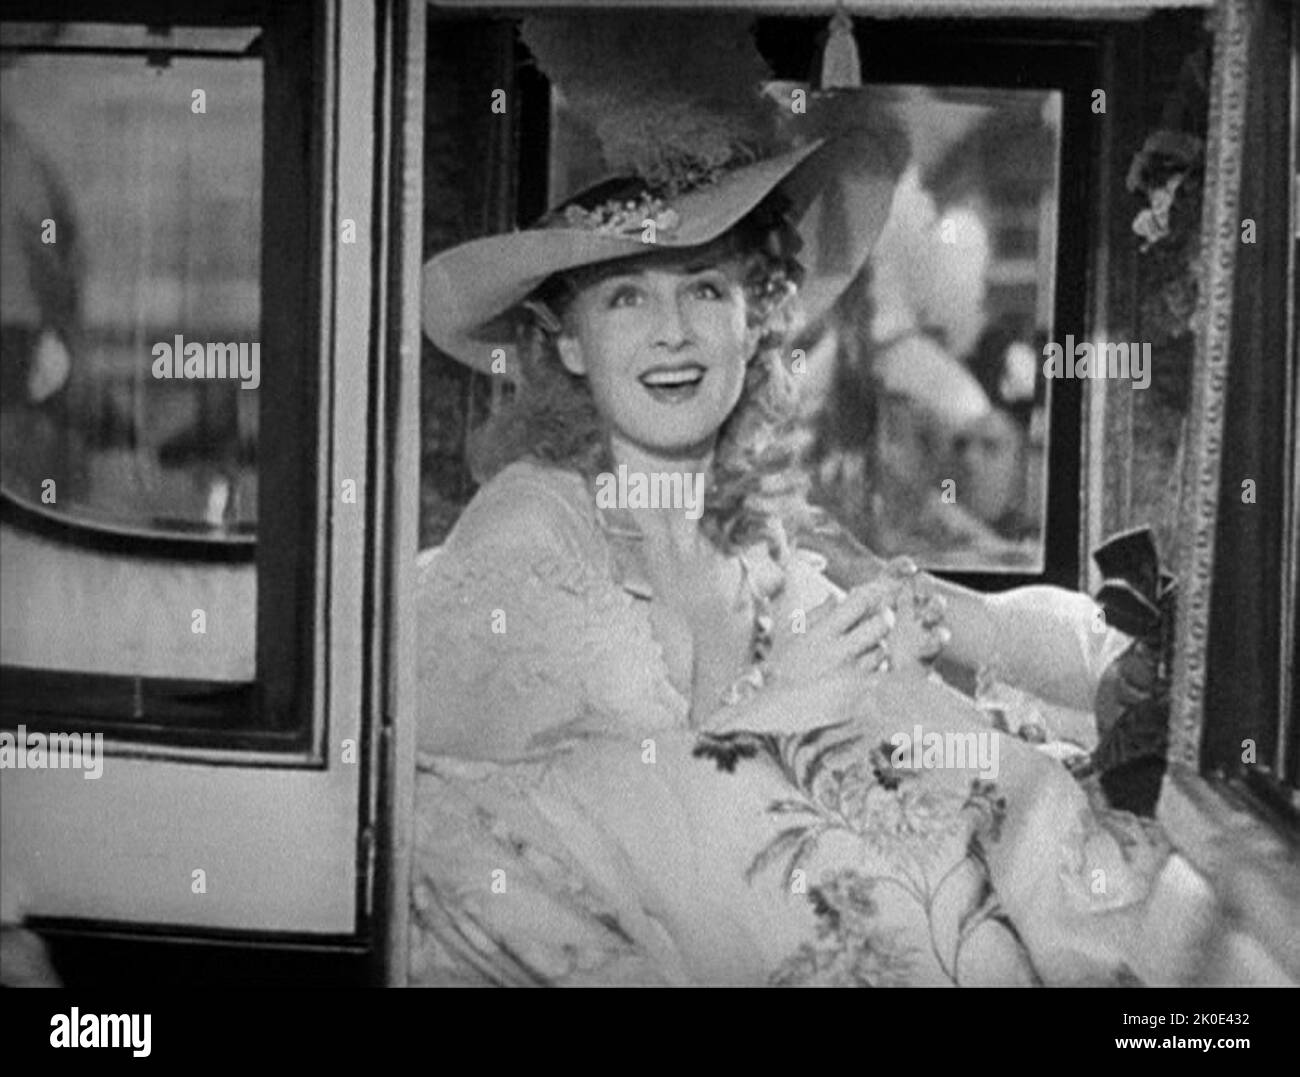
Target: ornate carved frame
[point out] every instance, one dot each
(1220, 238)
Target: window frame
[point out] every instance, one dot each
(273, 713)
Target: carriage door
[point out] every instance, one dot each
(198, 290)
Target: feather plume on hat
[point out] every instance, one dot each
(672, 100)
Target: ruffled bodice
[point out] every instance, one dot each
(537, 609)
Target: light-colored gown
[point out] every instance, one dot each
(600, 844)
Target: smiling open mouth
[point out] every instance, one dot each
(673, 383)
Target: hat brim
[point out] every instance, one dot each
(840, 191)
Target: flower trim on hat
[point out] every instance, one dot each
(624, 216)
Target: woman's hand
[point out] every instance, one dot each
(841, 634)
(895, 621)
(815, 677)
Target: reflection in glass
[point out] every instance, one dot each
(924, 393)
(155, 202)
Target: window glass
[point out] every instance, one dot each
(130, 297)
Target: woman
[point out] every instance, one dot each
(657, 745)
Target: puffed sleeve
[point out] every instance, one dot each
(1064, 630)
(525, 638)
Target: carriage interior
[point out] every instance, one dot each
(225, 438)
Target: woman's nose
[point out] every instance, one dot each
(673, 328)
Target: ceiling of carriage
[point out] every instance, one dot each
(891, 8)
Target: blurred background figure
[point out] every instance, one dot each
(890, 457)
(991, 467)
(927, 402)
(40, 306)
(1001, 456)
(924, 402)
(929, 271)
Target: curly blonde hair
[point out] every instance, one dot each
(758, 490)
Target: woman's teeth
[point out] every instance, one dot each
(673, 384)
(671, 378)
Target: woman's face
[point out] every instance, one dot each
(663, 343)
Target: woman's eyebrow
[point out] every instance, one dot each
(637, 272)
(702, 266)
(622, 274)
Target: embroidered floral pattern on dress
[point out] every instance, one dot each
(901, 822)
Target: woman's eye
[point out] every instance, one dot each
(709, 289)
(625, 296)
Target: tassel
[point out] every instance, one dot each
(841, 65)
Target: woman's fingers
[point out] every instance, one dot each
(932, 611)
(861, 602)
(933, 642)
(870, 633)
(874, 661)
(848, 611)
(856, 628)
(818, 614)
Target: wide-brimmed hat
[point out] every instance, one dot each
(836, 194)
(694, 135)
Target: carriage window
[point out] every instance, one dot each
(131, 246)
(156, 396)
